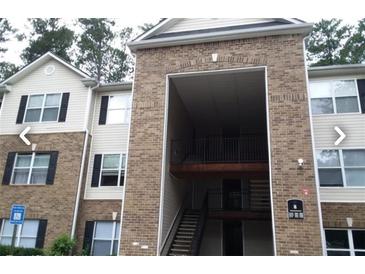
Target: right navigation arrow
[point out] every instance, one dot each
(342, 136)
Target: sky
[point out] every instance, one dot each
(15, 47)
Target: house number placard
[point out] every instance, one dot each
(295, 209)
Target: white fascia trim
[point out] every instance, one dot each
(221, 36)
(336, 70)
(158, 28)
(47, 55)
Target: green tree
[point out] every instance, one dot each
(48, 35)
(354, 49)
(325, 45)
(6, 30)
(102, 51)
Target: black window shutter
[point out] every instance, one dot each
(52, 168)
(88, 236)
(361, 87)
(21, 110)
(1, 222)
(41, 234)
(8, 168)
(103, 109)
(96, 171)
(64, 106)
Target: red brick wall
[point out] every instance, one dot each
(289, 130)
(55, 202)
(334, 215)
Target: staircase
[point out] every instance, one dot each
(182, 244)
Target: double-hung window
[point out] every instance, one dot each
(112, 170)
(345, 242)
(30, 168)
(341, 168)
(119, 107)
(334, 96)
(43, 108)
(25, 236)
(105, 238)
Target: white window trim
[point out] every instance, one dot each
(18, 232)
(351, 249)
(121, 155)
(43, 107)
(342, 167)
(112, 239)
(31, 167)
(333, 97)
(127, 110)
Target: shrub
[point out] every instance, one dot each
(20, 251)
(62, 246)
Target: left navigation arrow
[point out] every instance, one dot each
(22, 136)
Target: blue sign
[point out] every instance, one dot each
(17, 214)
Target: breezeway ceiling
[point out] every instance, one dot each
(226, 100)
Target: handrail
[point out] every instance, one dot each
(198, 235)
(170, 236)
(246, 148)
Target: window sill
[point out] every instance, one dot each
(343, 187)
(28, 185)
(336, 114)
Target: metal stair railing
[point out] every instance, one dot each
(171, 235)
(199, 231)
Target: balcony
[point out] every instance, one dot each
(245, 154)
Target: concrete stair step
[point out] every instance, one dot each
(184, 236)
(180, 250)
(186, 229)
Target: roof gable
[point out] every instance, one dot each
(179, 31)
(38, 63)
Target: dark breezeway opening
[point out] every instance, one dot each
(216, 184)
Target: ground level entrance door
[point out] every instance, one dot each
(232, 238)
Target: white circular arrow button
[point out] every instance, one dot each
(22, 136)
(342, 136)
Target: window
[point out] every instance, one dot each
(30, 168)
(26, 234)
(335, 96)
(345, 242)
(112, 170)
(43, 108)
(119, 107)
(105, 238)
(341, 167)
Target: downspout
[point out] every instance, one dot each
(77, 202)
(323, 241)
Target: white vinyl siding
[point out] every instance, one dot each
(191, 24)
(341, 194)
(106, 139)
(63, 80)
(353, 125)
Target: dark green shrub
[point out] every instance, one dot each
(20, 251)
(62, 246)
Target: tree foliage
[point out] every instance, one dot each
(354, 49)
(6, 30)
(102, 51)
(48, 35)
(326, 42)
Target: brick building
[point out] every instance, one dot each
(224, 144)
